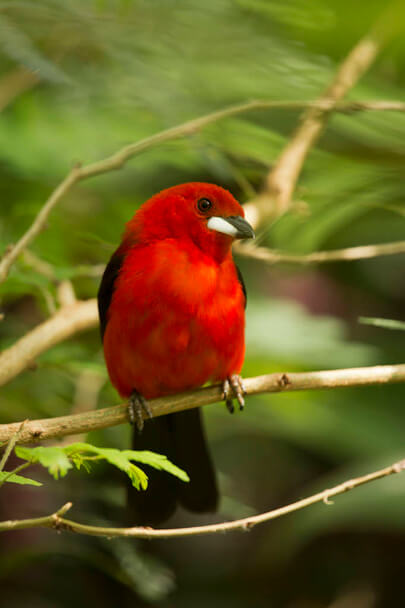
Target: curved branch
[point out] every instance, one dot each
(347, 254)
(47, 428)
(81, 315)
(58, 522)
(119, 158)
(65, 323)
(281, 180)
(37, 226)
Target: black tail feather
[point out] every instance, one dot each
(181, 438)
(191, 454)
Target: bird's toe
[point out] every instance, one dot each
(233, 388)
(138, 407)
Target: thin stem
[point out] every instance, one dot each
(11, 443)
(347, 254)
(119, 158)
(57, 521)
(283, 176)
(23, 466)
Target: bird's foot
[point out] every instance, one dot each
(137, 408)
(233, 388)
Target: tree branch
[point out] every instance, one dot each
(348, 254)
(58, 522)
(48, 428)
(281, 180)
(10, 445)
(119, 158)
(83, 315)
(38, 224)
(47, 270)
(65, 323)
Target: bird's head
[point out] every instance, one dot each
(206, 214)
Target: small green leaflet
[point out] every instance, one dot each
(5, 476)
(385, 323)
(53, 458)
(59, 460)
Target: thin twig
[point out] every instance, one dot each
(11, 443)
(119, 158)
(38, 430)
(348, 254)
(38, 224)
(47, 270)
(66, 295)
(83, 315)
(9, 474)
(40, 266)
(281, 180)
(58, 522)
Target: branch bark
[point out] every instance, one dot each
(82, 315)
(58, 522)
(348, 254)
(118, 159)
(281, 180)
(48, 428)
(65, 323)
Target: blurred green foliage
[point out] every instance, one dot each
(109, 73)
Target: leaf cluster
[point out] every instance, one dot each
(59, 460)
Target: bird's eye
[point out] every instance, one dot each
(204, 204)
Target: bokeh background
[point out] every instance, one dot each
(78, 81)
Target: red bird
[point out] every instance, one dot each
(171, 305)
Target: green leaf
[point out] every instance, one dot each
(13, 478)
(122, 459)
(58, 460)
(117, 458)
(385, 323)
(79, 462)
(157, 461)
(53, 458)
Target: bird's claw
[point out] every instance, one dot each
(233, 388)
(137, 407)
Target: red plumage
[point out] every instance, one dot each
(172, 303)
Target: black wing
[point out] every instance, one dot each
(106, 289)
(242, 283)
